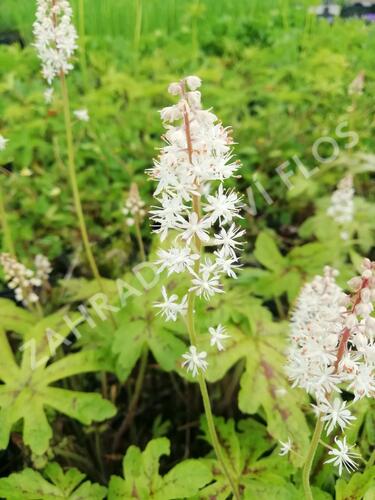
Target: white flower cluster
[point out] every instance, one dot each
(342, 204)
(43, 268)
(55, 37)
(24, 281)
(332, 337)
(134, 206)
(195, 207)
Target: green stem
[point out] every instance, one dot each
(279, 307)
(214, 438)
(126, 423)
(207, 404)
(139, 239)
(310, 458)
(98, 451)
(74, 183)
(82, 41)
(83, 461)
(371, 460)
(7, 238)
(193, 336)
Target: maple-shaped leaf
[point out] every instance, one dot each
(140, 327)
(54, 484)
(256, 467)
(143, 481)
(264, 387)
(27, 391)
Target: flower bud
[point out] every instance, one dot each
(193, 82)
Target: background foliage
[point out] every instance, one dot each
(280, 78)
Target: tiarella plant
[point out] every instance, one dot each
(56, 42)
(342, 205)
(135, 213)
(26, 283)
(332, 348)
(197, 212)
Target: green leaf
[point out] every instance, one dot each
(26, 390)
(142, 479)
(128, 343)
(268, 254)
(270, 486)
(357, 487)
(139, 326)
(15, 318)
(243, 449)
(81, 289)
(31, 485)
(263, 385)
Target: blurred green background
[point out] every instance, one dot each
(116, 18)
(271, 69)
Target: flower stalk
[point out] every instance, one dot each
(7, 234)
(74, 183)
(196, 205)
(207, 405)
(310, 459)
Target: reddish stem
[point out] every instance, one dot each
(346, 332)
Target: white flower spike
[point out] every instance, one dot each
(55, 37)
(194, 209)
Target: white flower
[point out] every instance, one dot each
(195, 361)
(176, 260)
(55, 37)
(193, 82)
(223, 206)
(363, 383)
(342, 456)
(335, 413)
(170, 113)
(227, 239)
(217, 335)
(170, 308)
(48, 95)
(167, 215)
(227, 264)
(22, 280)
(194, 227)
(3, 143)
(175, 88)
(205, 285)
(43, 267)
(342, 204)
(82, 115)
(285, 447)
(134, 208)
